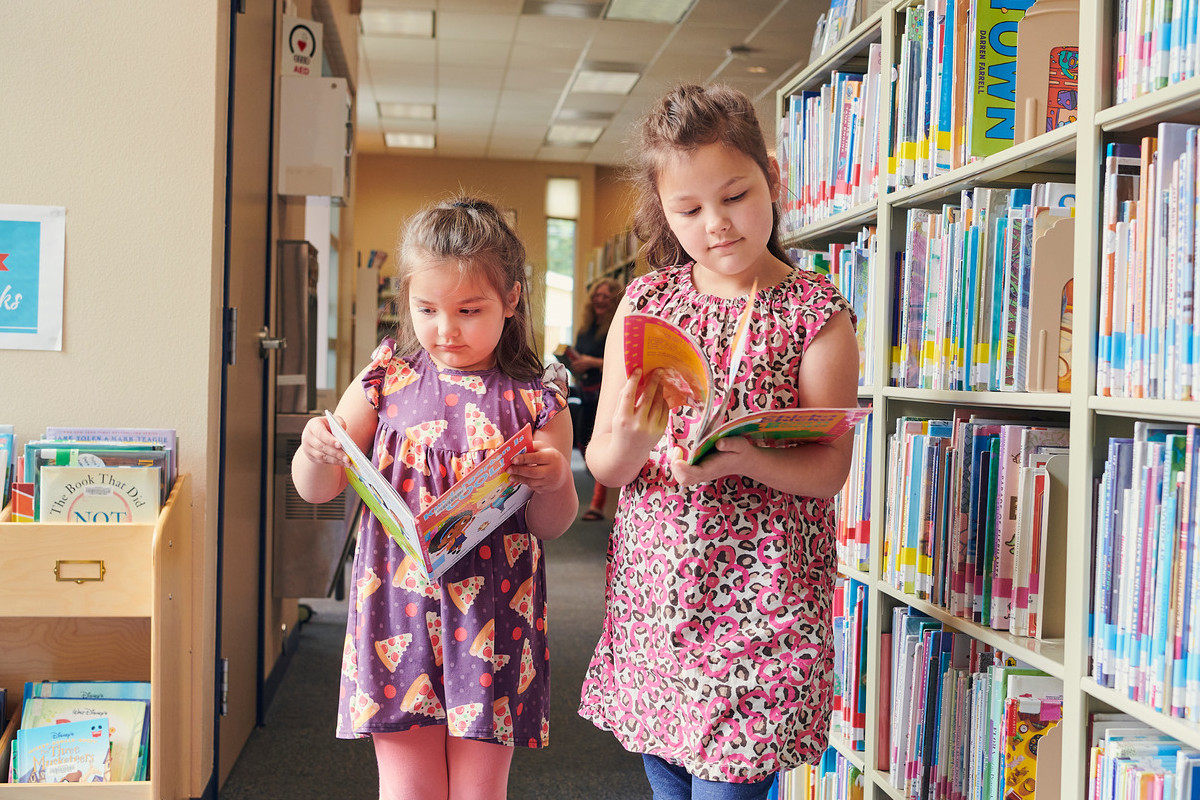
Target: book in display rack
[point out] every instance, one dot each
(103, 602)
(915, 612)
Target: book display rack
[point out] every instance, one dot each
(103, 602)
(929, 166)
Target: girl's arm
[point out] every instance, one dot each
(828, 378)
(627, 425)
(318, 466)
(547, 470)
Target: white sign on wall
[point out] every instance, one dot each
(301, 51)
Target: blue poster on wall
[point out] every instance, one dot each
(32, 245)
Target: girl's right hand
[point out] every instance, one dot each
(639, 420)
(319, 445)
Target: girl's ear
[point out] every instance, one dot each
(510, 302)
(773, 178)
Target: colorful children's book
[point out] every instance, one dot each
(70, 752)
(653, 343)
(127, 720)
(454, 523)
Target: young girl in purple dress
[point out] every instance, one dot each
(715, 659)
(448, 677)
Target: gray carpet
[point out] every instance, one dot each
(295, 755)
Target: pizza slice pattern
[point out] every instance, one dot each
(392, 649)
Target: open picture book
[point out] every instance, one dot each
(455, 522)
(652, 343)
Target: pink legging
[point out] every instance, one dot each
(427, 764)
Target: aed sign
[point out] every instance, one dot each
(301, 51)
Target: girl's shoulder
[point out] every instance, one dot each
(656, 283)
(389, 371)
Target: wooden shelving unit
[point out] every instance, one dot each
(1072, 153)
(123, 613)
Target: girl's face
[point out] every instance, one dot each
(717, 202)
(457, 319)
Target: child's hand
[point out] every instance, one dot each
(543, 470)
(640, 419)
(724, 460)
(318, 444)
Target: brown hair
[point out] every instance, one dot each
(472, 233)
(686, 118)
(589, 313)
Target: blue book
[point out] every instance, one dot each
(69, 752)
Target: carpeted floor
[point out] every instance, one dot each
(295, 755)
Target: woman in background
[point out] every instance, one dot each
(587, 362)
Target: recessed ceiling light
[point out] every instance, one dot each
(396, 22)
(757, 70)
(406, 110)
(572, 9)
(573, 134)
(413, 141)
(648, 10)
(604, 81)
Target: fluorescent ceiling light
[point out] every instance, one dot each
(604, 81)
(396, 22)
(573, 134)
(648, 10)
(413, 141)
(406, 110)
(572, 9)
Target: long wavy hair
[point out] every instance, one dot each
(589, 313)
(473, 234)
(687, 118)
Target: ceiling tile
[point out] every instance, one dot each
(399, 49)
(543, 56)
(460, 27)
(562, 31)
(471, 77)
(494, 55)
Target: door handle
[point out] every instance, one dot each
(267, 343)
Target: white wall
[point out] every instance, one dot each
(116, 110)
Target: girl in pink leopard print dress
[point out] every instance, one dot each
(715, 660)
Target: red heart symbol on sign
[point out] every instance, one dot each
(302, 45)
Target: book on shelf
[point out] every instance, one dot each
(69, 752)
(166, 438)
(128, 727)
(42, 453)
(453, 524)
(652, 343)
(99, 494)
(1047, 68)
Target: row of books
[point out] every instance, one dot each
(1146, 638)
(964, 721)
(1148, 339)
(94, 475)
(832, 778)
(828, 141)
(617, 251)
(983, 293)
(1129, 760)
(849, 720)
(8, 461)
(841, 18)
(82, 732)
(853, 503)
(976, 518)
(1157, 44)
(976, 76)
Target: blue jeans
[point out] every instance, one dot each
(670, 782)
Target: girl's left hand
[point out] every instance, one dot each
(543, 470)
(723, 461)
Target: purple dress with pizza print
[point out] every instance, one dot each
(716, 653)
(469, 651)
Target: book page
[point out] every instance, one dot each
(381, 497)
(652, 343)
(475, 506)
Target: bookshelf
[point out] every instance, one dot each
(1073, 153)
(125, 614)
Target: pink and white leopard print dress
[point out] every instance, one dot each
(716, 652)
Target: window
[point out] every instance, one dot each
(562, 214)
